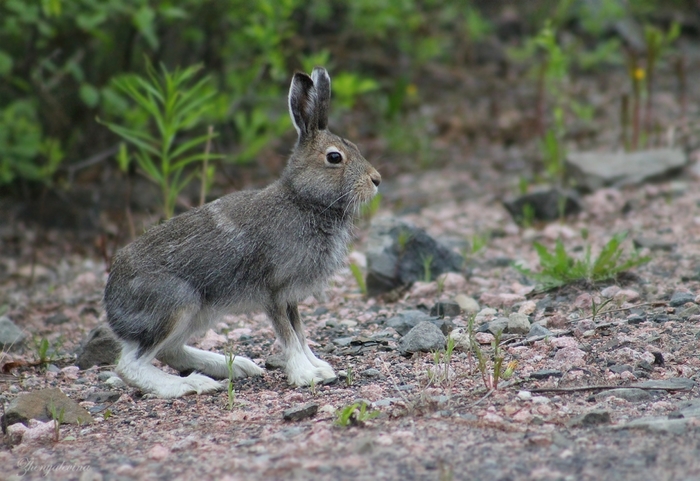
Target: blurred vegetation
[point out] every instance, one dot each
(62, 64)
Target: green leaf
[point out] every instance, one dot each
(89, 95)
(143, 20)
(6, 64)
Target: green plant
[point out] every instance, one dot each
(350, 377)
(359, 278)
(354, 415)
(58, 417)
(107, 414)
(370, 209)
(175, 105)
(598, 308)
(497, 372)
(427, 272)
(558, 268)
(44, 352)
(441, 360)
(230, 357)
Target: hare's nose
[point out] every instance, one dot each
(376, 178)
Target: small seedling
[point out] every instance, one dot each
(355, 415)
(230, 357)
(359, 278)
(558, 268)
(312, 387)
(442, 359)
(598, 308)
(497, 373)
(58, 418)
(107, 414)
(350, 377)
(427, 273)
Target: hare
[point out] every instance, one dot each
(252, 250)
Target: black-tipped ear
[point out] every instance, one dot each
(322, 84)
(302, 104)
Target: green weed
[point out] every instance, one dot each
(440, 375)
(355, 415)
(427, 272)
(175, 104)
(359, 278)
(490, 377)
(558, 268)
(58, 417)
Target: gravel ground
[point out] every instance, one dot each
(449, 427)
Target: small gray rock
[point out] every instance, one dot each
(371, 372)
(425, 337)
(592, 418)
(100, 348)
(342, 341)
(538, 330)
(57, 319)
(633, 395)
(653, 244)
(101, 397)
(406, 320)
(300, 411)
(518, 324)
(545, 373)
(671, 384)
(104, 375)
(693, 310)
(620, 368)
(494, 327)
(680, 298)
(39, 405)
(11, 336)
(446, 309)
(636, 319)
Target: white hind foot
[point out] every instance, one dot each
(140, 373)
(187, 358)
(326, 368)
(301, 372)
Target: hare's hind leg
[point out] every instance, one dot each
(300, 370)
(137, 370)
(298, 326)
(186, 358)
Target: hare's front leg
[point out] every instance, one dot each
(300, 370)
(298, 326)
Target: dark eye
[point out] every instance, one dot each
(334, 157)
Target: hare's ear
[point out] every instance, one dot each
(302, 105)
(322, 84)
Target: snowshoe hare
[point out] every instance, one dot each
(252, 250)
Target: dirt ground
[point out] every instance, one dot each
(446, 428)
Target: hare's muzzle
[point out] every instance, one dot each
(375, 177)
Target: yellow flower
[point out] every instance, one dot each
(411, 90)
(639, 74)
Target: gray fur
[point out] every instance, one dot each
(254, 250)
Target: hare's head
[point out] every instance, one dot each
(325, 168)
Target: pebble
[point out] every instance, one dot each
(115, 381)
(518, 324)
(545, 373)
(592, 418)
(348, 323)
(11, 336)
(469, 305)
(371, 372)
(636, 319)
(425, 337)
(495, 326)
(540, 400)
(446, 309)
(679, 298)
(342, 341)
(628, 394)
(300, 411)
(485, 315)
(524, 395)
(528, 308)
(538, 330)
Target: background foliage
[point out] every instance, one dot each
(61, 62)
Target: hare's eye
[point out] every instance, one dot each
(334, 157)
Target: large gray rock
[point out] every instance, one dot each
(41, 405)
(396, 254)
(425, 337)
(404, 321)
(548, 204)
(100, 348)
(11, 336)
(593, 170)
